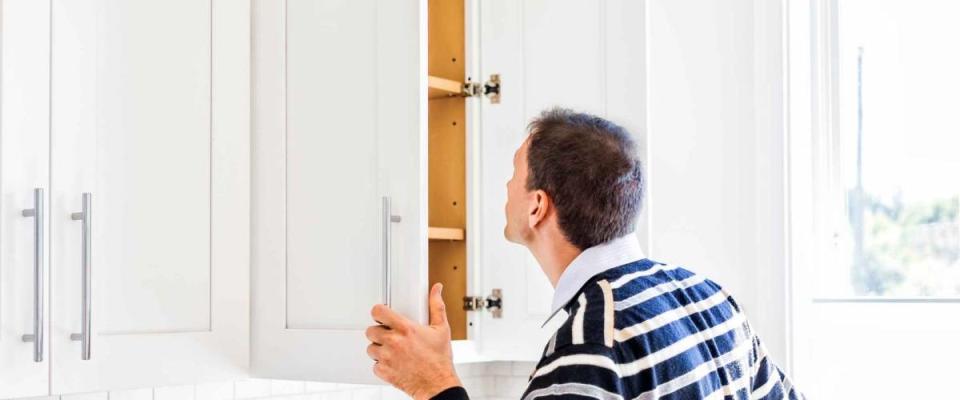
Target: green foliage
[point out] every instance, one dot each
(909, 249)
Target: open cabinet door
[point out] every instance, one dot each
(588, 56)
(339, 220)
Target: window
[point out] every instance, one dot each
(874, 192)
(895, 150)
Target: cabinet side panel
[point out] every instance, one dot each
(447, 194)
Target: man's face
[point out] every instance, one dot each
(518, 199)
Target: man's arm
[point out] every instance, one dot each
(414, 358)
(769, 382)
(454, 393)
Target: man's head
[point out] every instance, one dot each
(577, 175)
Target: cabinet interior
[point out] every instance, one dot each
(447, 158)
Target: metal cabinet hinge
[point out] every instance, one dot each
(491, 89)
(493, 303)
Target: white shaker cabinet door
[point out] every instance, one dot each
(584, 55)
(24, 156)
(151, 120)
(339, 126)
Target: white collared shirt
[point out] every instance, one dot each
(591, 262)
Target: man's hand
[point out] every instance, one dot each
(414, 358)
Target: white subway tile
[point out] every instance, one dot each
(468, 370)
(85, 396)
(305, 396)
(313, 387)
(367, 393)
(522, 368)
(281, 387)
(174, 393)
(214, 391)
(392, 393)
(135, 394)
(350, 386)
(476, 386)
(499, 368)
(251, 388)
(509, 386)
(335, 395)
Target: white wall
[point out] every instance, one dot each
(716, 144)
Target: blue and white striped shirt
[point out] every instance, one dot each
(646, 330)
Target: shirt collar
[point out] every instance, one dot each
(591, 262)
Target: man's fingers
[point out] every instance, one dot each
(384, 315)
(373, 351)
(438, 310)
(376, 333)
(380, 370)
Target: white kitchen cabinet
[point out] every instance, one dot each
(373, 175)
(149, 276)
(356, 101)
(24, 128)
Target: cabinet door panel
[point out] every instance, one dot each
(587, 56)
(153, 107)
(339, 123)
(333, 202)
(152, 122)
(24, 156)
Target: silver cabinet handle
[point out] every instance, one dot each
(38, 225)
(386, 250)
(85, 306)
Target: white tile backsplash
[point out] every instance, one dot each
(522, 369)
(484, 381)
(507, 386)
(500, 368)
(135, 394)
(280, 387)
(251, 388)
(85, 396)
(172, 393)
(213, 391)
(313, 387)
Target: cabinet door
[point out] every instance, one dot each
(150, 116)
(588, 56)
(340, 108)
(24, 156)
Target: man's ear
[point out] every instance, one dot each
(539, 206)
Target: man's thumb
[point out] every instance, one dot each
(438, 311)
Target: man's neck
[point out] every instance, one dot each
(554, 254)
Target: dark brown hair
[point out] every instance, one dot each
(590, 168)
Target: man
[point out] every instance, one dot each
(635, 328)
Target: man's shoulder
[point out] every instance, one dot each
(629, 294)
(646, 279)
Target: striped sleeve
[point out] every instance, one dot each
(576, 371)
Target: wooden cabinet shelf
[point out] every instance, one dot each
(440, 88)
(438, 233)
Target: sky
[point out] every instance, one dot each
(911, 95)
